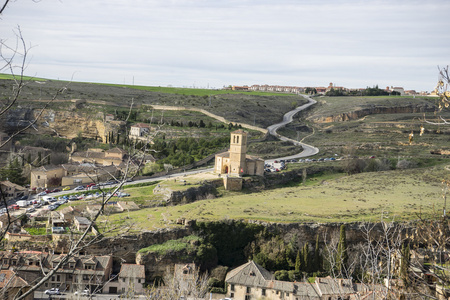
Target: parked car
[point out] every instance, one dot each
(23, 198)
(73, 198)
(66, 188)
(14, 207)
(53, 207)
(83, 293)
(52, 291)
(56, 190)
(79, 188)
(122, 194)
(89, 185)
(42, 194)
(30, 210)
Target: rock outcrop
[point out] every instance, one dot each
(362, 112)
(68, 124)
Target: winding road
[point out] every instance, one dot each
(308, 150)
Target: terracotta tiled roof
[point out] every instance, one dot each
(13, 185)
(141, 125)
(116, 150)
(249, 274)
(132, 270)
(10, 279)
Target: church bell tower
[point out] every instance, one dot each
(238, 150)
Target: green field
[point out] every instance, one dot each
(195, 92)
(390, 195)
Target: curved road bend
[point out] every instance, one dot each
(308, 150)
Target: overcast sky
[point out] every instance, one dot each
(214, 43)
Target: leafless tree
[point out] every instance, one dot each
(193, 285)
(443, 93)
(14, 60)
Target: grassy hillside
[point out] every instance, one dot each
(256, 108)
(398, 195)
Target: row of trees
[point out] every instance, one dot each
(373, 91)
(184, 151)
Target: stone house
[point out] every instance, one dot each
(12, 190)
(81, 223)
(251, 281)
(78, 273)
(87, 173)
(113, 156)
(139, 130)
(132, 277)
(236, 162)
(71, 174)
(12, 285)
(41, 177)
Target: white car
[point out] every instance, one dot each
(83, 293)
(52, 291)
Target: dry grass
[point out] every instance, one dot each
(362, 197)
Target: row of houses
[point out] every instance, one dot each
(319, 89)
(78, 273)
(83, 167)
(251, 281)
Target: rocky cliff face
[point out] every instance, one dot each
(359, 113)
(68, 124)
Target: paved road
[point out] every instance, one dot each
(308, 150)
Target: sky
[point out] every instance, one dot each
(211, 43)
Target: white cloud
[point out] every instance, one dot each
(236, 42)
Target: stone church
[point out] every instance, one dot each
(236, 162)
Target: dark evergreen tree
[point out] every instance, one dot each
(305, 258)
(13, 172)
(317, 257)
(298, 262)
(342, 254)
(39, 159)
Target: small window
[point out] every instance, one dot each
(263, 293)
(232, 288)
(249, 290)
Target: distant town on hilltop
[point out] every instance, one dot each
(323, 90)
